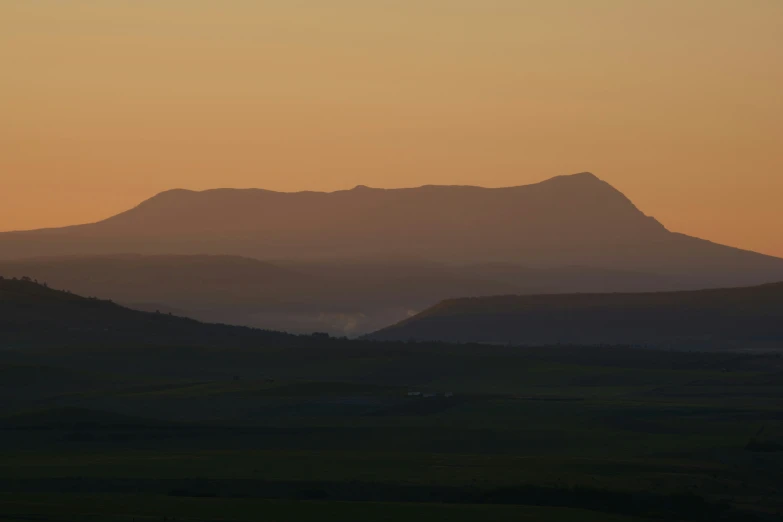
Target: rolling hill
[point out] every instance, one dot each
(342, 298)
(736, 318)
(189, 283)
(575, 220)
(33, 314)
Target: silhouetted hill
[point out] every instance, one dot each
(575, 220)
(176, 281)
(737, 318)
(343, 298)
(31, 313)
(340, 298)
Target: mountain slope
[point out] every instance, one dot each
(31, 313)
(737, 318)
(181, 282)
(340, 298)
(564, 221)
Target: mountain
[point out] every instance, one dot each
(33, 314)
(736, 318)
(575, 220)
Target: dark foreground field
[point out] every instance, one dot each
(126, 433)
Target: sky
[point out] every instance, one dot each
(677, 103)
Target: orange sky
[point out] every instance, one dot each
(678, 103)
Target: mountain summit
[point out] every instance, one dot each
(564, 221)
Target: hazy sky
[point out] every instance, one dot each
(678, 103)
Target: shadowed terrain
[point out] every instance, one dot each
(735, 318)
(112, 414)
(33, 314)
(342, 298)
(339, 298)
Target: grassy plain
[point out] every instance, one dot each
(559, 433)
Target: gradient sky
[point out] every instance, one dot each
(677, 103)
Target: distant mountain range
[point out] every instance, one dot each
(575, 220)
(351, 262)
(737, 318)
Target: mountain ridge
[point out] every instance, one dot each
(567, 220)
(745, 318)
(580, 180)
(34, 314)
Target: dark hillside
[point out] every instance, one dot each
(31, 313)
(346, 298)
(738, 318)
